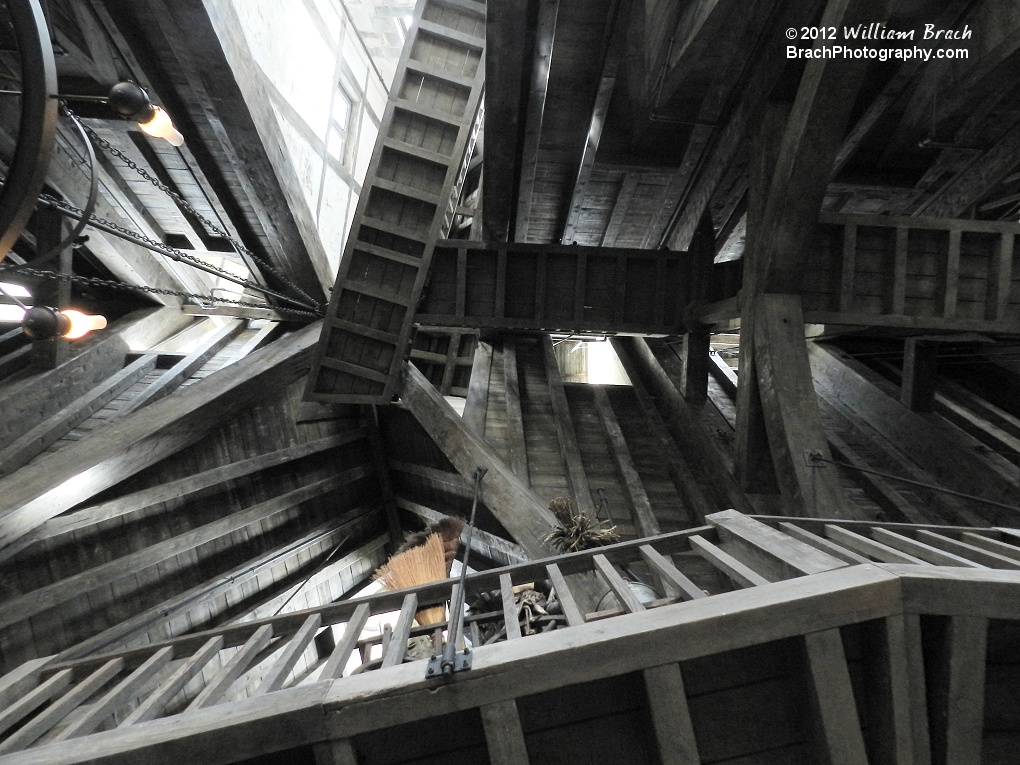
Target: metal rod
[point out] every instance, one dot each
(457, 607)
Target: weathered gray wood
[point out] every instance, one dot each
(55, 483)
(28, 733)
(617, 584)
(183, 487)
(795, 555)
(792, 419)
(53, 428)
(671, 718)
(296, 645)
(823, 544)
(504, 736)
(337, 661)
(482, 542)
(517, 452)
(970, 552)
(907, 703)
(154, 704)
(670, 574)
(920, 364)
(870, 547)
(339, 752)
(34, 698)
(510, 500)
(834, 698)
(396, 647)
(576, 475)
(643, 514)
(960, 692)
(215, 689)
(993, 545)
(567, 603)
(510, 618)
(477, 403)
(130, 686)
(19, 681)
(60, 591)
(742, 575)
(921, 550)
(694, 383)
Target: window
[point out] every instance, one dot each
(339, 124)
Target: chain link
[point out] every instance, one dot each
(184, 203)
(97, 282)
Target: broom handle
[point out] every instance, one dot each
(457, 607)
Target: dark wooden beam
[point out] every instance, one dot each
(920, 367)
(477, 404)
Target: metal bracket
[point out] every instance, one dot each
(437, 666)
(813, 458)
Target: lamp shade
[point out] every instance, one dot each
(160, 126)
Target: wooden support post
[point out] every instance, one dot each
(920, 365)
(477, 403)
(955, 655)
(382, 469)
(339, 752)
(671, 718)
(792, 418)
(834, 698)
(695, 367)
(396, 647)
(504, 736)
(567, 436)
(517, 454)
(345, 647)
(510, 616)
(644, 516)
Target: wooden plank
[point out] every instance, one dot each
(993, 545)
(565, 433)
(1001, 278)
(742, 575)
(877, 550)
(510, 617)
(671, 717)
(153, 706)
(43, 722)
(921, 550)
(60, 591)
(517, 453)
(567, 603)
(823, 544)
(20, 681)
(523, 515)
(957, 690)
(951, 290)
(337, 661)
(55, 483)
(339, 752)
(796, 556)
(968, 551)
(904, 732)
(274, 679)
(172, 379)
(396, 648)
(216, 688)
(33, 699)
(670, 574)
(124, 691)
(477, 403)
(504, 737)
(897, 300)
(848, 268)
(920, 374)
(50, 430)
(834, 698)
(617, 584)
(482, 542)
(694, 381)
(641, 508)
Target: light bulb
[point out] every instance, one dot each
(81, 324)
(161, 126)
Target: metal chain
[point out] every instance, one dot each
(96, 281)
(184, 203)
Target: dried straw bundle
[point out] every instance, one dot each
(417, 565)
(577, 531)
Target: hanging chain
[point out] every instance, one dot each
(186, 205)
(97, 282)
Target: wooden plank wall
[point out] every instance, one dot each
(329, 482)
(407, 202)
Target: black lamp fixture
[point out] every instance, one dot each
(131, 101)
(42, 322)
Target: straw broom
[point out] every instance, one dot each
(417, 565)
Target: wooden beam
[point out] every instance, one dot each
(154, 704)
(296, 645)
(792, 418)
(671, 717)
(55, 483)
(517, 451)
(577, 478)
(748, 534)
(477, 404)
(957, 689)
(545, 34)
(644, 516)
(741, 574)
(504, 737)
(920, 366)
(513, 503)
(834, 698)
(483, 543)
(217, 687)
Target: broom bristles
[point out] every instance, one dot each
(417, 565)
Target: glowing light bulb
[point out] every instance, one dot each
(161, 126)
(81, 324)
